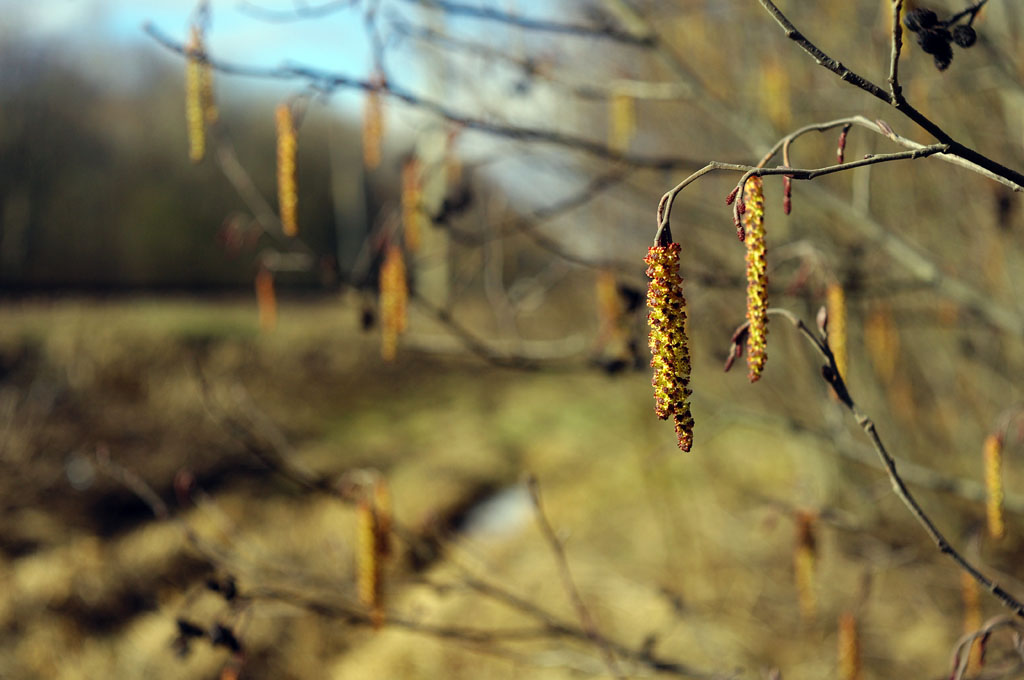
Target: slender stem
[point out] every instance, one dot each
(665, 207)
(830, 372)
(899, 103)
(895, 90)
(586, 620)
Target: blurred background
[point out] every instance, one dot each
(195, 403)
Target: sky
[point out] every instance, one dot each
(335, 42)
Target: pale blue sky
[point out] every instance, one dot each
(336, 42)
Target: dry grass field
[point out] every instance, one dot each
(687, 559)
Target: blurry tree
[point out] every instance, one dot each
(95, 194)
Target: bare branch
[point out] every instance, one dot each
(301, 12)
(327, 83)
(900, 104)
(830, 372)
(577, 30)
(586, 620)
(895, 90)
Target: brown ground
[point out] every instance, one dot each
(685, 558)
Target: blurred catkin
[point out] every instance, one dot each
(882, 341)
(993, 453)
(287, 183)
(194, 96)
(412, 196)
(804, 559)
(835, 303)
(670, 352)
(370, 567)
(394, 295)
(757, 277)
(373, 124)
(266, 299)
(972, 618)
(849, 648)
(773, 84)
(382, 507)
(622, 118)
(610, 314)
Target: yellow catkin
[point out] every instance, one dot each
(882, 341)
(382, 506)
(287, 184)
(452, 162)
(670, 352)
(774, 88)
(972, 618)
(622, 119)
(373, 124)
(610, 314)
(394, 295)
(194, 96)
(757, 277)
(993, 452)
(412, 196)
(835, 303)
(211, 114)
(804, 559)
(369, 567)
(266, 299)
(849, 648)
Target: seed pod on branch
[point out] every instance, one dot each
(757, 277)
(993, 453)
(670, 352)
(287, 184)
(394, 293)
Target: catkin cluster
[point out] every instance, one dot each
(757, 277)
(394, 293)
(670, 352)
(287, 184)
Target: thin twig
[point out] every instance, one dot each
(895, 90)
(665, 207)
(586, 620)
(328, 82)
(537, 25)
(299, 13)
(830, 372)
(901, 104)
